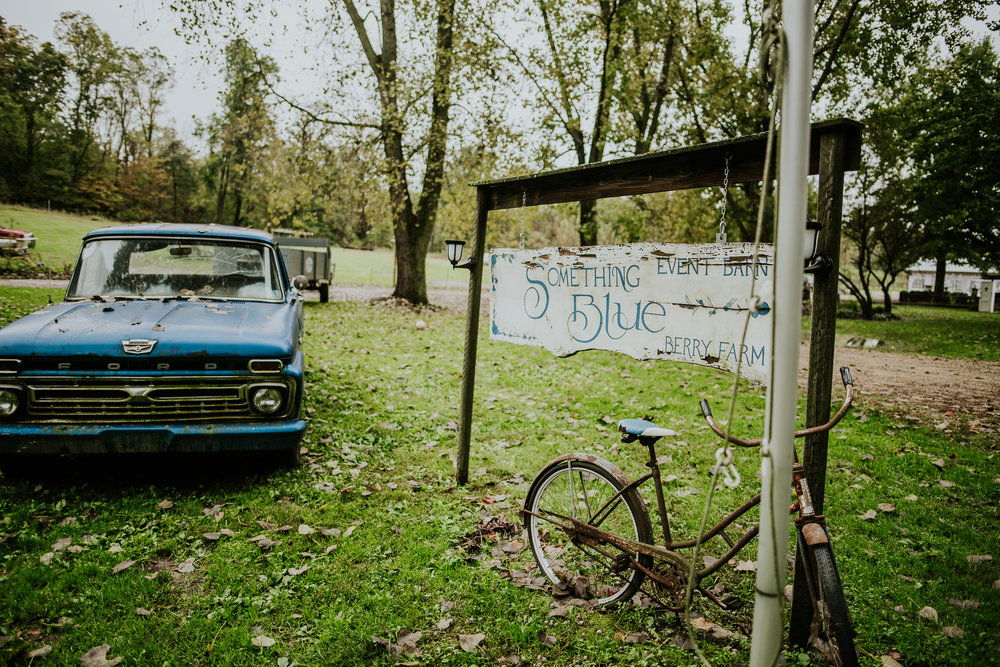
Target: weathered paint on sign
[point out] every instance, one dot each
(676, 302)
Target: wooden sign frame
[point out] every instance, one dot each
(834, 148)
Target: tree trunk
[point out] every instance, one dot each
(940, 269)
(588, 222)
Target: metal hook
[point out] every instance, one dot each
(724, 460)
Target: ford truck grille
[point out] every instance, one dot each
(146, 399)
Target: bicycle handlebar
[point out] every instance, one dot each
(845, 375)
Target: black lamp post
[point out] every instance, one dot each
(815, 262)
(454, 249)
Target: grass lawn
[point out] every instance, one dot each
(370, 538)
(58, 234)
(945, 332)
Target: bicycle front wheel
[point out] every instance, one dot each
(573, 488)
(831, 605)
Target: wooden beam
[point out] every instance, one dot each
(833, 157)
(471, 340)
(678, 169)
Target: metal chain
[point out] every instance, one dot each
(721, 236)
(524, 199)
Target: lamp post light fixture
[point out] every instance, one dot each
(815, 262)
(454, 250)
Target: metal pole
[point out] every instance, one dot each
(776, 461)
(472, 337)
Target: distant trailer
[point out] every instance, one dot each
(309, 257)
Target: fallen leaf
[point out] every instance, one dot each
(470, 642)
(953, 631)
(887, 507)
(142, 611)
(297, 571)
(61, 544)
(979, 559)
(115, 549)
(97, 657)
(637, 637)
(186, 567)
(870, 515)
(350, 529)
(211, 537)
(946, 483)
(963, 604)
(443, 624)
(164, 505)
(890, 662)
(47, 558)
(746, 566)
(699, 623)
(910, 497)
(262, 641)
(929, 613)
(40, 652)
(124, 565)
(546, 640)
(305, 530)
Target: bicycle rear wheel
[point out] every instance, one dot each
(830, 605)
(571, 487)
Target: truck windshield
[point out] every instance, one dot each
(176, 267)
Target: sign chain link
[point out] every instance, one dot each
(524, 199)
(721, 237)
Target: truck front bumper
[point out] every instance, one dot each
(149, 438)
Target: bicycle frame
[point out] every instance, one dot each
(809, 525)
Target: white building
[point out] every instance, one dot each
(958, 277)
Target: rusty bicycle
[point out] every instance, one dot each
(588, 528)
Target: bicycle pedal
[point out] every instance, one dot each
(621, 563)
(732, 603)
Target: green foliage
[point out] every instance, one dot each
(955, 142)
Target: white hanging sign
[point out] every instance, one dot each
(678, 302)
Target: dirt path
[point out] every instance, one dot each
(931, 388)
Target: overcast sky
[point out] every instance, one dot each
(140, 24)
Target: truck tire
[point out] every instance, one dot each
(324, 292)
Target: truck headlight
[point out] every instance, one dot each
(10, 401)
(267, 400)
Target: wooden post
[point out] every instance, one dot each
(821, 348)
(472, 337)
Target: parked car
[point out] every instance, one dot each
(172, 338)
(16, 242)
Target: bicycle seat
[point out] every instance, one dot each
(640, 428)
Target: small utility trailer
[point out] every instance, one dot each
(305, 255)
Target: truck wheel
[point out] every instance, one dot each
(324, 292)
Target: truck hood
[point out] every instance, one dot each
(180, 329)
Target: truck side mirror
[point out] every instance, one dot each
(300, 282)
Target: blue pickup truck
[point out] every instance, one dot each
(172, 338)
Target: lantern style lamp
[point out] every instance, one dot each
(454, 249)
(815, 262)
